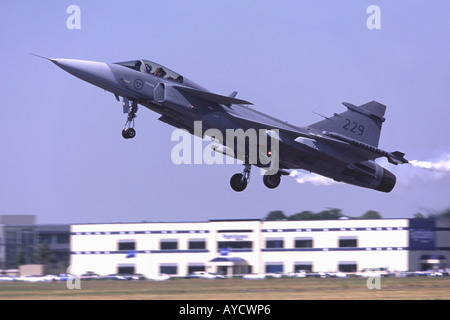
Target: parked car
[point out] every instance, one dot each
(337, 274)
(300, 274)
(66, 276)
(373, 272)
(136, 276)
(159, 277)
(404, 274)
(432, 273)
(115, 276)
(274, 275)
(201, 275)
(254, 276)
(50, 278)
(315, 275)
(120, 276)
(31, 278)
(90, 276)
(6, 278)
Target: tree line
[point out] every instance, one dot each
(335, 214)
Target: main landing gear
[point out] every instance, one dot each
(272, 181)
(239, 181)
(128, 132)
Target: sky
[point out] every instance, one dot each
(64, 160)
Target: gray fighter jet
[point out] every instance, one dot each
(342, 147)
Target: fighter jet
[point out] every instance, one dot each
(342, 147)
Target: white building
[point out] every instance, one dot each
(255, 246)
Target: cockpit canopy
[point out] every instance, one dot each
(153, 68)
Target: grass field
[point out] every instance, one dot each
(233, 289)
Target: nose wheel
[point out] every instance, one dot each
(130, 108)
(129, 133)
(239, 181)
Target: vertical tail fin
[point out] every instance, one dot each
(361, 123)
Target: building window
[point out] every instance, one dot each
(197, 244)
(126, 245)
(235, 244)
(274, 243)
(45, 238)
(62, 238)
(235, 231)
(303, 266)
(168, 244)
(168, 268)
(192, 267)
(348, 266)
(126, 269)
(274, 267)
(348, 242)
(303, 243)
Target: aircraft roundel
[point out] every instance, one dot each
(138, 84)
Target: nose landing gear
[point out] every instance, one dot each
(128, 132)
(239, 181)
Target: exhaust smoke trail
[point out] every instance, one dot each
(420, 171)
(314, 179)
(440, 166)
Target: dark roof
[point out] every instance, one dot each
(228, 259)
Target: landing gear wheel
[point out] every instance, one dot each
(238, 182)
(129, 133)
(272, 181)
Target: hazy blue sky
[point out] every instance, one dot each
(62, 154)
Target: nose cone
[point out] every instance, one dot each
(96, 73)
